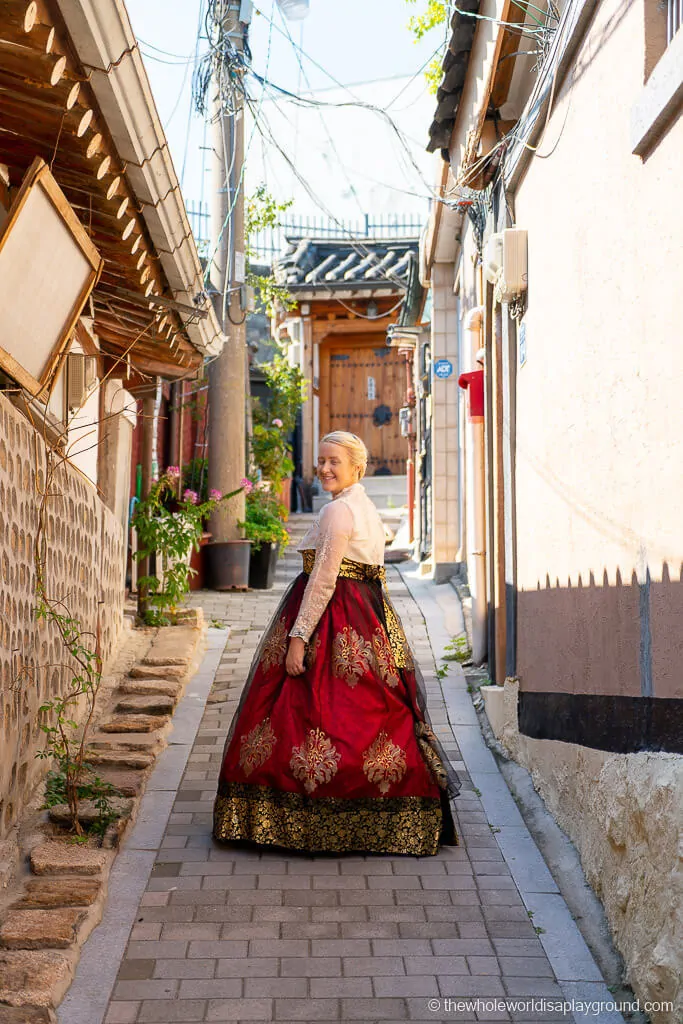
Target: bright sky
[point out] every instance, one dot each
(351, 158)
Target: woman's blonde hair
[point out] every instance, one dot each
(358, 453)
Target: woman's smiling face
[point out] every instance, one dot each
(336, 471)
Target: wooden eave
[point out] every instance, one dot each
(48, 109)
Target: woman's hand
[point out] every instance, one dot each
(295, 656)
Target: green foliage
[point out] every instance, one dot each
(287, 393)
(263, 522)
(172, 534)
(457, 650)
(89, 787)
(433, 14)
(196, 477)
(263, 211)
(271, 453)
(442, 672)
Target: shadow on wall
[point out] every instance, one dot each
(602, 665)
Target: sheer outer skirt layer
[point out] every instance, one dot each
(341, 758)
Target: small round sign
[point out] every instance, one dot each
(443, 368)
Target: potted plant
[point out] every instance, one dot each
(171, 530)
(264, 527)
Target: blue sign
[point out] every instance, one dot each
(443, 368)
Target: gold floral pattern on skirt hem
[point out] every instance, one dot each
(259, 814)
(257, 746)
(315, 761)
(397, 639)
(275, 647)
(384, 762)
(352, 656)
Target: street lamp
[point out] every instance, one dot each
(294, 10)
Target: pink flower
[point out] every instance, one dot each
(173, 472)
(190, 496)
(215, 495)
(247, 485)
(277, 423)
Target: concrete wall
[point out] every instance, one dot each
(624, 813)
(84, 568)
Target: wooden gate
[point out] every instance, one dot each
(362, 388)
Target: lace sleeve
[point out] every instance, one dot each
(336, 527)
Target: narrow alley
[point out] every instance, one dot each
(194, 931)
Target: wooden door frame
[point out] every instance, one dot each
(327, 346)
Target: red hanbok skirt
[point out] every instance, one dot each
(341, 758)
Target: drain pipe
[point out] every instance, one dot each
(476, 497)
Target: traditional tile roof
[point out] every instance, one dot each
(313, 264)
(455, 63)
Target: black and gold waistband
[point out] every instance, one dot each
(349, 570)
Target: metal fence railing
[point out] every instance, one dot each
(269, 244)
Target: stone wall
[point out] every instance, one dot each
(624, 813)
(84, 570)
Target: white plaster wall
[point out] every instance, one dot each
(604, 364)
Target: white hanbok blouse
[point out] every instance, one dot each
(349, 526)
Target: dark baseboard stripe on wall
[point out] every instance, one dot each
(622, 725)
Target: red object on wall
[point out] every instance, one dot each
(473, 384)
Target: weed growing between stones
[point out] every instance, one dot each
(71, 778)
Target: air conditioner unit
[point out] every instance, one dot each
(505, 263)
(81, 379)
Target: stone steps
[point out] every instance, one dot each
(149, 687)
(142, 671)
(156, 704)
(130, 722)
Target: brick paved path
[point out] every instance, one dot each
(232, 935)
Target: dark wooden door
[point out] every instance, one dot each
(362, 388)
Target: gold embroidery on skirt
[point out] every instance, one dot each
(384, 762)
(425, 738)
(257, 746)
(402, 825)
(275, 648)
(315, 761)
(384, 658)
(397, 638)
(351, 656)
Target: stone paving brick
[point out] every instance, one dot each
(214, 988)
(307, 1010)
(248, 967)
(181, 969)
(150, 989)
(371, 1009)
(240, 1010)
(179, 1011)
(436, 965)
(316, 967)
(122, 1013)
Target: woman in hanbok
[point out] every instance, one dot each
(331, 748)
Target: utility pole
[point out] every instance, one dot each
(228, 379)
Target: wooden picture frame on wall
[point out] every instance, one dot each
(48, 268)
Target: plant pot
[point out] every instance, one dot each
(229, 564)
(262, 565)
(198, 562)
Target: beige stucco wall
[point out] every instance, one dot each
(444, 399)
(84, 569)
(601, 383)
(624, 813)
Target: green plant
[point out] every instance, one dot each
(435, 13)
(196, 478)
(442, 672)
(264, 517)
(171, 534)
(271, 452)
(458, 650)
(263, 211)
(89, 787)
(287, 388)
